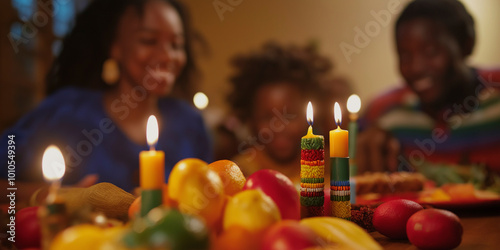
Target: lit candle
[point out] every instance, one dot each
(340, 190)
(53, 168)
(312, 171)
(310, 121)
(339, 143)
(52, 216)
(200, 100)
(353, 106)
(152, 170)
(152, 162)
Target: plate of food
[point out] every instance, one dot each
(373, 188)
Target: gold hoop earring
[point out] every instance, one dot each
(110, 71)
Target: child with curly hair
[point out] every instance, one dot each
(271, 88)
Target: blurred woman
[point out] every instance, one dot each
(123, 61)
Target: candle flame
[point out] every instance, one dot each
(337, 113)
(310, 119)
(354, 104)
(53, 166)
(200, 100)
(152, 131)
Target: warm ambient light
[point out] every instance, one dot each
(200, 100)
(53, 166)
(337, 113)
(152, 131)
(309, 114)
(353, 104)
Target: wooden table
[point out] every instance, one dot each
(481, 231)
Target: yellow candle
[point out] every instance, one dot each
(339, 138)
(152, 162)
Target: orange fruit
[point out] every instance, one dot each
(237, 237)
(134, 208)
(167, 201)
(230, 174)
(197, 190)
(437, 194)
(252, 210)
(459, 191)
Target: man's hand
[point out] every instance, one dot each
(377, 151)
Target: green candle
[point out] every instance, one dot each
(353, 106)
(353, 130)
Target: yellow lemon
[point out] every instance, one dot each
(197, 189)
(113, 238)
(84, 236)
(252, 210)
(238, 237)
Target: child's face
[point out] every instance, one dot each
(150, 48)
(429, 60)
(279, 120)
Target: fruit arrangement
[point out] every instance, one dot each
(213, 206)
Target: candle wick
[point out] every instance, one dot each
(152, 148)
(310, 122)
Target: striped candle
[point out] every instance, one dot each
(312, 171)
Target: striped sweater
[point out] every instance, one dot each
(468, 133)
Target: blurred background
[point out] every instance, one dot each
(356, 35)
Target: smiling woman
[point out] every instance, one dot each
(122, 62)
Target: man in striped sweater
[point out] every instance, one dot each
(446, 112)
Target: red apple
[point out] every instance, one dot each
(290, 235)
(281, 190)
(28, 234)
(434, 229)
(390, 217)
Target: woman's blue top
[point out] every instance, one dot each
(74, 119)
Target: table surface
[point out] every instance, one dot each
(481, 231)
